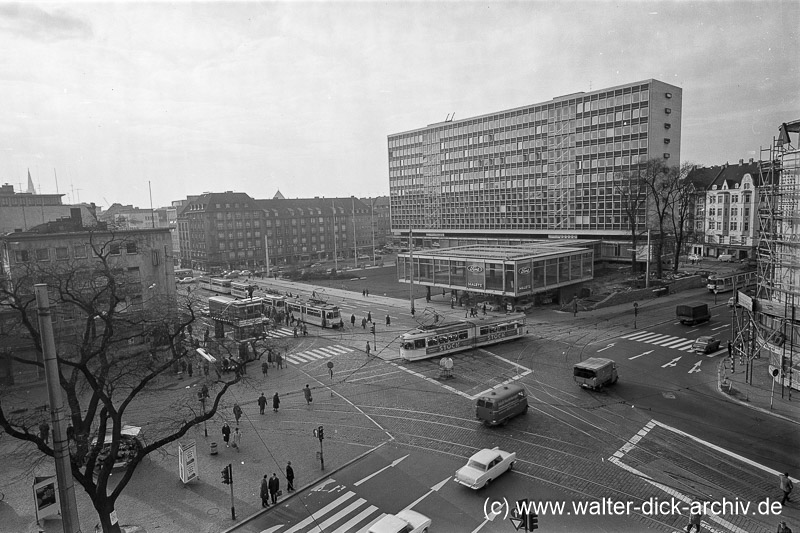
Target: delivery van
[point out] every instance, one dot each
(501, 404)
(595, 373)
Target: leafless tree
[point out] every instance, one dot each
(633, 197)
(112, 347)
(681, 214)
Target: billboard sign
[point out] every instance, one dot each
(476, 276)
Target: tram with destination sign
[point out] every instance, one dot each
(434, 341)
(315, 312)
(725, 283)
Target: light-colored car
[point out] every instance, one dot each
(727, 258)
(402, 522)
(706, 344)
(187, 279)
(245, 273)
(484, 467)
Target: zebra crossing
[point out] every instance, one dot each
(346, 516)
(659, 339)
(316, 354)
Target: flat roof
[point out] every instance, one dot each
(497, 252)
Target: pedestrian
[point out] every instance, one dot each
(274, 488)
(276, 402)
(265, 368)
(307, 394)
(341, 323)
(279, 358)
(305, 329)
(237, 439)
(265, 492)
(367, 292)
(443, 293)
(237, 412)
(262, 403)
(368, 349)
(484, 308)
(295, 332)
(363, 323)
(786, 487)
(226, 433)
(363, 292)
(783, 528)
(44, 431)
(369, 317)
(269, 357)
(289, 477)
(696, 517)
(412, 312)
(352, 321)
(206, 368)
(388, 320)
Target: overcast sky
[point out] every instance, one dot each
(300, 97)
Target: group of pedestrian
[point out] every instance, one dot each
(365, 292)
(271, 487)
(262, 403)
(234, 439)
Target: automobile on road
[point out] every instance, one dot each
(595, 373)
(484, 467)
(706, 344)
(403, 522)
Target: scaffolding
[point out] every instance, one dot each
(770, 327)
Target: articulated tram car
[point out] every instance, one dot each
(423, 343)
(313, 312)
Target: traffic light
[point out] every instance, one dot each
(227, 475)
(320, 433)
(372, 329)
(531, 521)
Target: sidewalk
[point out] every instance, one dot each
(157, 500)
(760, 393)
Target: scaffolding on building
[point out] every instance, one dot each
(769, 324)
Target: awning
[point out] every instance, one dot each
(205, 355)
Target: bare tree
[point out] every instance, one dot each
(681, 215)
(661, 182)
(633, 197)
(112, 345)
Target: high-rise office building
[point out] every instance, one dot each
(545, 170)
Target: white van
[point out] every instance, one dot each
(727, 258)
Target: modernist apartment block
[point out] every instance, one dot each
(544, 170)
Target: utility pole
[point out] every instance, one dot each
(66, 487)
(411, 265)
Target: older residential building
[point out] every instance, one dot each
(67, 251)
(547, 170)
(232, 230)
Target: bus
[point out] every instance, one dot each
(725, 283)
(222, 286)
(498, 405)
(205, 283)
(315, 312)
(437, 340)
(240, 289)
(181, 273)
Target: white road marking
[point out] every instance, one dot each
(674, 362)
(695, 368)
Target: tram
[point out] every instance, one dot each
(315, 312)
(433, 341)
(205, 283)
(740, 280)
(220, 285)
(240, 289)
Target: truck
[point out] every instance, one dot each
(595, 372)
(691, 314)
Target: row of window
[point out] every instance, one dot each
(62, 253)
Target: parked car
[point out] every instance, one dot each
(706, 344)
(484, 467)
(403, 522)
(727, 258)
(187, 279)
(245, 273)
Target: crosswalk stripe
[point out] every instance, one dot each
(334, 350)
(667, 339)
(346, 528)
(365, 529)
(646, 338)
(300, 357)
(676, 342)
(313, 354)
(322, 512)
(657, 339)
(639, 336)
(320, 528)
(632, 335)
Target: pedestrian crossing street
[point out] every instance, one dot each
(343, 515)
(667, 341)
(316, 354)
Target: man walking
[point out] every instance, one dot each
(289, 477)
(368, 349)
(363, 323)
(265, 492)
(262, 403)
(352, 320)
(44, 431)
(237, 412)
(786, 487)
(695, 518)
(274, 487)
(369, 317)
(226, 433)
(276, 402)
(388, 320)
(265, 368)
(307, 394)
(279, 358)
